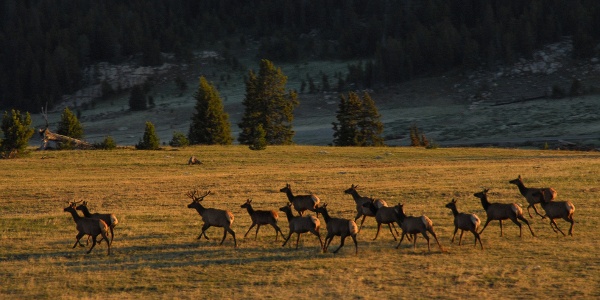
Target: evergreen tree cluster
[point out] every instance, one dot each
(358, 122)
(17, 130)
(47, 43)
(210, 123)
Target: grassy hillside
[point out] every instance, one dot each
(156, 253)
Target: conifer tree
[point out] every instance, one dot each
(69, 126)
(210, 123)
(269, 104)
(17, 132)
(358, 122)
(259, 141)
(150, 140)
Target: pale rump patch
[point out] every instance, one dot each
(353, 228)
(426, 221)
(570, 206)
(516, 209)
(113, 220)
(230, 217)
(475, 220)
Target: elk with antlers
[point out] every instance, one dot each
(212, 216)
(92, 227)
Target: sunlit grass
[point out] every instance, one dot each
(156, 253)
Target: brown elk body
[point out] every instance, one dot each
(464, 221)
(559, 209)
(110, 219)
(363, 211)
(338, 227)
(415, 225)
(501, 211)
(383, 215)
(92, 227)
(262, 217)
(534, 195)
(301, 224)
(301, 202)
(212, 217)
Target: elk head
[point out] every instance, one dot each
(248, 201)
(196, 199)
(351, 189)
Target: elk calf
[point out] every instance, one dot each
(559, 209)
(464, 221)
(92, 227)
(301, 225)
(212, 217)
(414, 225)
(338, 227)
(501, 211)
(110, 219)
(534, 195)
(301, 202)
(262, 217)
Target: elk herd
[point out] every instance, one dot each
(96, 224)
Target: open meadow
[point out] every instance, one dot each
(155, 253)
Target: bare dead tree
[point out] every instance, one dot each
(47, 136)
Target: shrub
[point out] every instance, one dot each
(179, 140)
(150, 140)
(107, 144)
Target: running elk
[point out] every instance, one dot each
(383, 215)
(534, 195)
(361, 210)
(414, 225)
(301, 202)
(338, 227)
(559, 209)
(212, 216)
(92, 227)
(501, 211)
(463, 221)
(262, 217)
(301, 224)
(110, 219)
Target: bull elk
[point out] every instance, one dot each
(212, 216)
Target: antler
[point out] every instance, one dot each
(193, 195)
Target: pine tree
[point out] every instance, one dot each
(17, 132)
(259, 141)
(150, 140)
(358, 122)
(414, 136)
(269, 104)
(370, 125)
(70, 126)
(346, 129)
(210, 124)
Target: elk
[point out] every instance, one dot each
(414, 225)
(301, 224)
(301, 202)
(464, 221)
(365, 211)
(110, 219)
(338, 227)
(212, 216)
(383, 215)
(262, 217)
(534, 195)
(559, 209)
(501, 211)
(92, 227)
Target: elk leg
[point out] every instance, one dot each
(232, 234)
(395, 229)
(318, 234)
(361, 222)
(224, 235)
(77, 238)
(552, 222)
(297, 240)
(256, 234)
(436, 239)
(251, 226)
(341, 244)
(378, 228)
(286, 239)
(393, 235)
(93, 244)
(401, 238)
(454, 234)
(528, 207)
(501, 233)
(484, 226)
(277, 231)
(424, 233)
(526, 222)
(572, 223)
(355, 244)
(460, 237)
(204, 228)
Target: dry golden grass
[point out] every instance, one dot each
(156, 253)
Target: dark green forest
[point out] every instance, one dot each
(47, 43)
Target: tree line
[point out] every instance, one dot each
(48, 43)
(267, 119)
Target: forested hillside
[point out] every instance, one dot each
(47, 43)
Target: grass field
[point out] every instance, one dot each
(156, 253)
